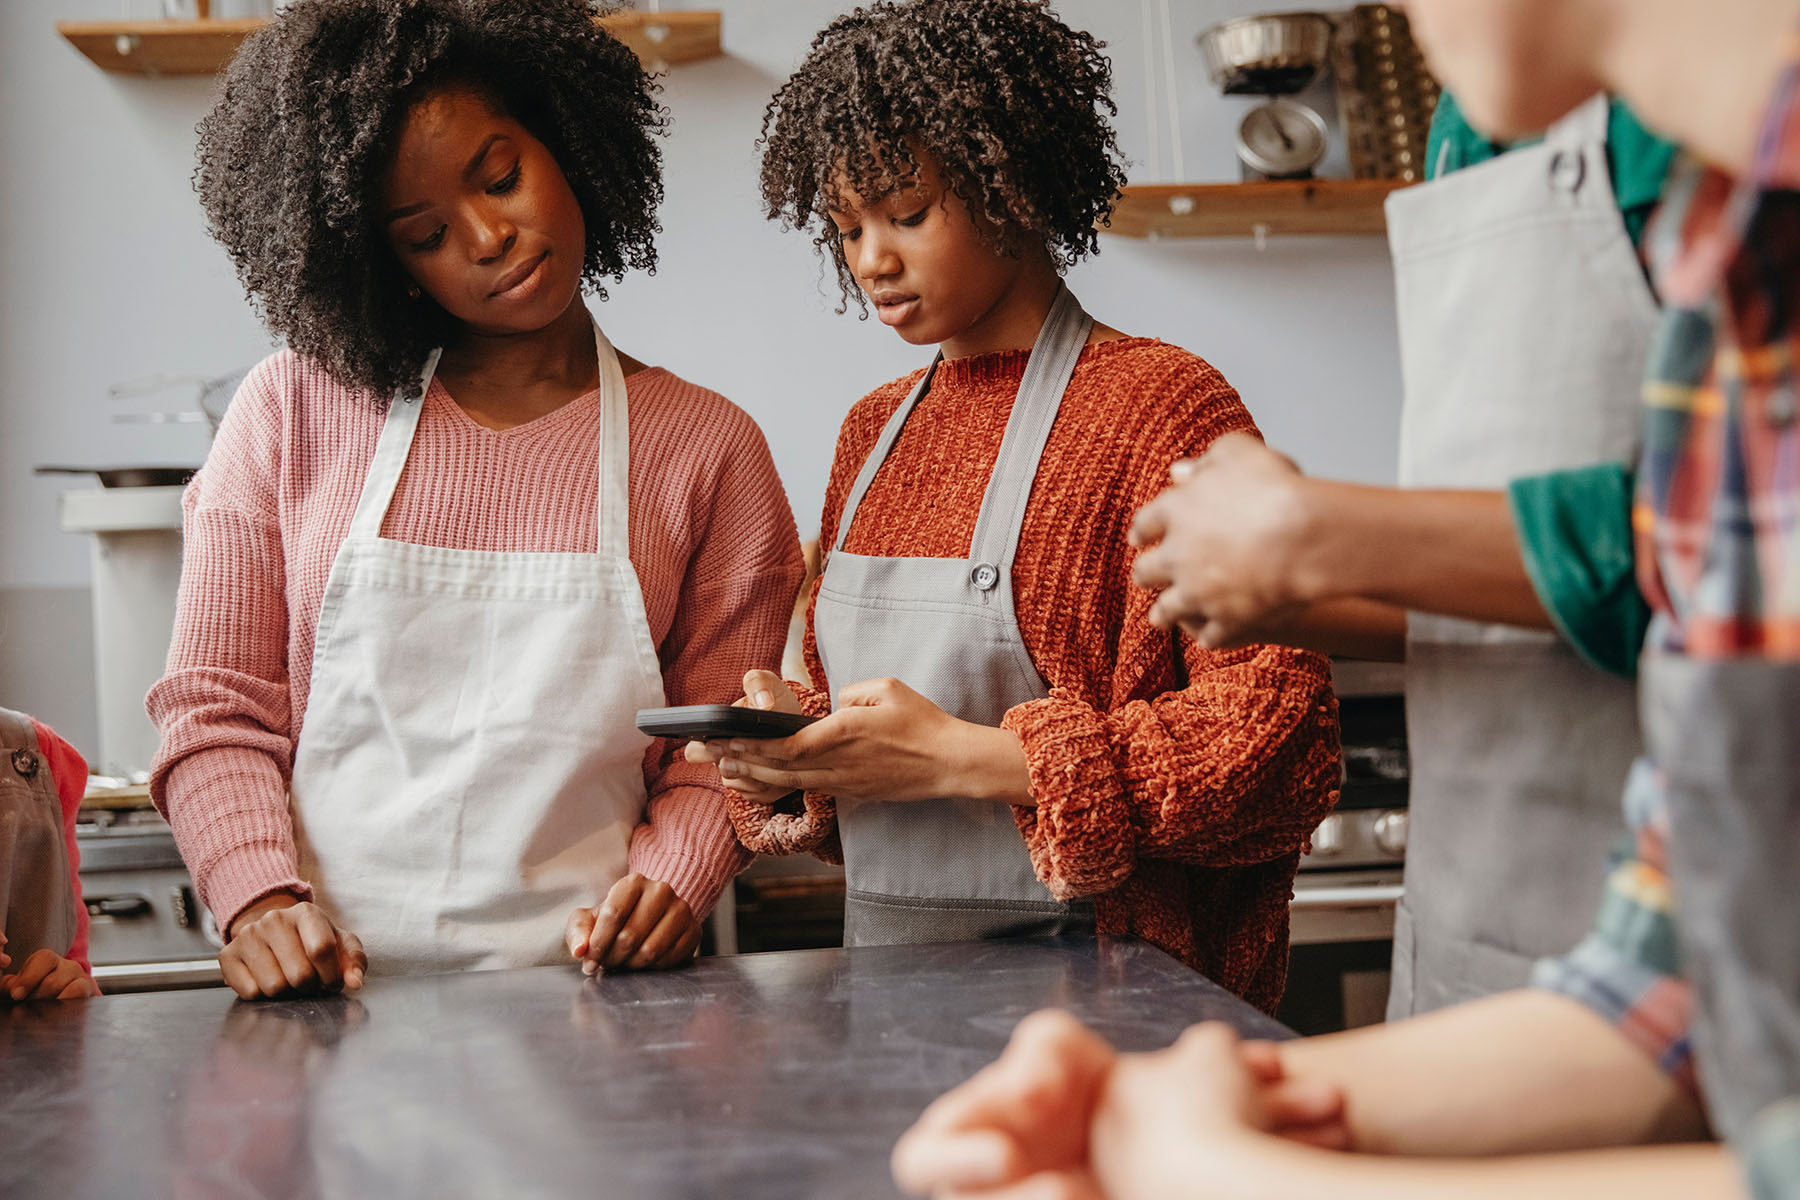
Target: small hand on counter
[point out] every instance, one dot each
(45, 975)
(885, 741)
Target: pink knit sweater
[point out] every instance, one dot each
(712, 540)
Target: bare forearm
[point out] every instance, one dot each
(985, 763)
(1445, 552)
(1521, 1072)
(1348, 626)
(1289, 1172)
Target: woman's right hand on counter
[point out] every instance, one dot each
(284, 946)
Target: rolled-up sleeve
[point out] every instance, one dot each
(1574, 530)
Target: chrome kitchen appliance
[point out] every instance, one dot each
(1350, 882)
(1274, 56)
(147, 928)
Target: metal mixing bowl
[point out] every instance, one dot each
(1276, 54)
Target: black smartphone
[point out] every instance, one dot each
(707, 722)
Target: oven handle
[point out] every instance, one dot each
(117, 906)
(1383, 895)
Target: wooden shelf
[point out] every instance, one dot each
(1285, 206)
(660, 40)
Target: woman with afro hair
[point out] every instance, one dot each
(449, 541)
(1013, 746)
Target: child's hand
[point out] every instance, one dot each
(285, 946)
(1206, 1108)
(47, 975)
(641, 925)
(764, 690)
(1021, 1121)
(1301, 1110)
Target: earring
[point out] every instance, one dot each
(412, 292)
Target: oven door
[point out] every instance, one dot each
(147, 929)
(1342, 934)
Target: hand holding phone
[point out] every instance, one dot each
(767, 697)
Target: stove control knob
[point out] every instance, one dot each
(1328, 838)
(1390, 832)
(181, 907)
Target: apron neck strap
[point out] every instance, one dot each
(890, 433)
(1059, 343)
(613, 515)
(612, 504)
(390, 453)
(1585, 125)
(1047, 374)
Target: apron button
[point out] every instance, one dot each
(25, 763)
(1568, 170)
(985, 576)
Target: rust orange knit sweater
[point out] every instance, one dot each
(1175, 786)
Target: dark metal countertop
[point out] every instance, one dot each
(768, 1075)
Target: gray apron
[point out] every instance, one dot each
(947, 869)
(37, 901)
(1525, 320)
(1720, 736)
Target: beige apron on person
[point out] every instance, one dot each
(37, 897)
(947, 869)
(468, 770)
(1525, 320)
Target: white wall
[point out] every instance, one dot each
(108, 275)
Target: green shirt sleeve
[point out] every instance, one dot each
(1574, 530)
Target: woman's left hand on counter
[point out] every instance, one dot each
(884, 742)
(641, 925)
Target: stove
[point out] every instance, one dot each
(1351, 879)
(147, 929)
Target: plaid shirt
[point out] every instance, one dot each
(1718, 547)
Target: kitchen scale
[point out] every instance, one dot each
(1274, 56)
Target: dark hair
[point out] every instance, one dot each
(291, 155)
(1012, 103)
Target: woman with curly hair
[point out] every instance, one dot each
(449, 541)
(1012, 746)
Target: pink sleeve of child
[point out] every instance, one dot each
(70, 772)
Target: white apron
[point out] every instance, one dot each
(1525, 319)
(468, 770)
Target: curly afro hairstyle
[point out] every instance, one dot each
(1012, 104)
(291, 158)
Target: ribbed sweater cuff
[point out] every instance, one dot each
(1082, 839)
(228, 808)
(778, 834)
(242, 876)
(689, 845)
(813, 702)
